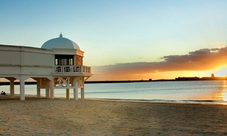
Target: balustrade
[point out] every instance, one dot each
(72, 68)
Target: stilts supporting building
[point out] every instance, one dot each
(58, 64)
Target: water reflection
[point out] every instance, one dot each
(221, 96)
(224, 91)
(224, 95)
(213, 92)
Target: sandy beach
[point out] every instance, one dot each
(100, 117)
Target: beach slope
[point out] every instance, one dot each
(99, 117)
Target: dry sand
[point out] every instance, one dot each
(98, 117)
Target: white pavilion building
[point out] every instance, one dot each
(58, 64)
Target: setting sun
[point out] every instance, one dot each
(221, 71)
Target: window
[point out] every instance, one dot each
(64, 60)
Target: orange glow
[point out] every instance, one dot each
(139, 74)
(146, 76)
(221, 71)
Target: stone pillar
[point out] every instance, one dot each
(82, 89)
(38, 88)
(67, 94)
(11, 88)
(75, 89)
(51, 89)
(82, 94)
(75, 93)
(22, 92)
(47, 93)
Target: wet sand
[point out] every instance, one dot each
(100, 117)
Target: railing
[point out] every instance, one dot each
(72, 68)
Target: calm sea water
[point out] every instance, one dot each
(180, 91)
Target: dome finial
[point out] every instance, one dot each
(61, 35)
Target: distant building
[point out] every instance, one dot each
(58, 64)
(212, 75)
(186, 78)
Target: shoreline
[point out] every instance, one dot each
(141, 101)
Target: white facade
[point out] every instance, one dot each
(57, 64)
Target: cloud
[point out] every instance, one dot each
(203, 59)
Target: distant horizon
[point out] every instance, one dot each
(4, 81)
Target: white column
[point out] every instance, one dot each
(67, 94)
(47, 93)
(82, 94)
(38, 88)
(51, 89)
(75, 93)
(22, 93)
(11, 88)
(75, 89)
(82, 89)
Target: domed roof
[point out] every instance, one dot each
(60, 43)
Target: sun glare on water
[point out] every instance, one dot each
(224, 95)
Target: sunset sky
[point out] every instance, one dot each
(127, 39)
